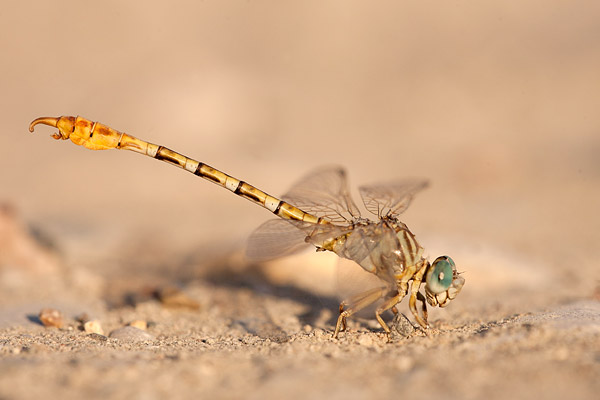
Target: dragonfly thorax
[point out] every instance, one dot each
(385, 248)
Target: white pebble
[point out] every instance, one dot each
(93, 327)
(131, 334)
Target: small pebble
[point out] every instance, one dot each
(175, 298)
(93, 327)
(140, 324)
(131, 334)
(51, 317)
(98, 337)
(401, 326)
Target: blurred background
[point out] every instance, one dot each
(496, 103)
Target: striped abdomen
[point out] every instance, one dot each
(96, 136)
(241, 188)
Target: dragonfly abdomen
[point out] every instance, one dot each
(243, 189)
(96, 136)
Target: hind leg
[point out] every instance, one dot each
(388, 304)
(355, 304)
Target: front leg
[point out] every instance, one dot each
(423, 301)
(414, 293)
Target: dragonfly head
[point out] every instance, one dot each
(442, 282)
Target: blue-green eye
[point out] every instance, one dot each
(439, 276)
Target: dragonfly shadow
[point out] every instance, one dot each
(34, 319)
(256, 280)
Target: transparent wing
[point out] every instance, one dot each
(275, 238)
(361, 243)
(318, 234)
(324, 193)
(279, 238)
(390, 199)
(373, 247)
(351, 280)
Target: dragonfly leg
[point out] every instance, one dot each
(414, 294)
(355, 304)
(342, 305)
(423, 301)
(388, 304)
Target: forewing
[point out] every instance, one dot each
(324, 193)
(390, 199)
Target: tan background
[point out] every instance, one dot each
(497, 103)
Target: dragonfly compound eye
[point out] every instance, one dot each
(440, 274)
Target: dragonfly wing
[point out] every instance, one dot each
(318, 234)
(390, 199)
(275, 238)
(360, 244)
(279, 238)
(324, 193)
(374, 247)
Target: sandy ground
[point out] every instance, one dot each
(496, 104)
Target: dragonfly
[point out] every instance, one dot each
(318, 211)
